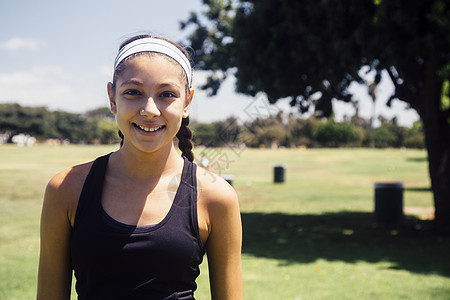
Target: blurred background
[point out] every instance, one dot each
(306, 107)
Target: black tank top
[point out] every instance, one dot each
(113, 260)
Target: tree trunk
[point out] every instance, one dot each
(437, 139)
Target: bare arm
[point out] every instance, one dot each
(60, 200)
(224, 244)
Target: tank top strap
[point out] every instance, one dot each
(92, 187)
(186, 200)
(187, 191)
(189, 175)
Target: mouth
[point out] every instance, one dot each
(149, 129)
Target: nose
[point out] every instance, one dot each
(150, 109)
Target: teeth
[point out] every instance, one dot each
(147, 129)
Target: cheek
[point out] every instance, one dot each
(127, 107)
(174, 109)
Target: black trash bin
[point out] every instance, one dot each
(228, 178)
(279, 173)
(388, 204)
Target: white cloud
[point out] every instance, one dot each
(18, 43)
(38, 86)
(52, 87)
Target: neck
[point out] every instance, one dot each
(141, 165)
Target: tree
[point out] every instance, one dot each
(415, 137)
(108, 131)
(16, 119)
(310, 51)
(332, 134)
(101, 113)
(205, 134)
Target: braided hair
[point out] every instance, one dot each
(121, 137)
(184, 136)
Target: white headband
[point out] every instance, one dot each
(159, 46)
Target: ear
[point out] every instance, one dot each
(112, 101)
(188, 104)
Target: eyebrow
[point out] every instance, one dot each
(132, 81)
(169, 85)
(138, 82)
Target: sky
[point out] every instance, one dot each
(60, 54)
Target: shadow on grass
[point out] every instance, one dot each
(417, 159)
(348, 237)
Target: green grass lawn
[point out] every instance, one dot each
(311, 237)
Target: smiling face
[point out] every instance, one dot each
(149, 100)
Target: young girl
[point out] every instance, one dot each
(135, 224)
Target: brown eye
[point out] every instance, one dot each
(168, 95)
(132, 92)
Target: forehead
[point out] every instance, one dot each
(147, 61)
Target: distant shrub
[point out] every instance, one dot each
(384, 137)
(332, 134)
(205, 134)
(415, 141)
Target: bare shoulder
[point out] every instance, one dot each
(218, 207)
(213, 189)
(57, 217)
(64, 189)
(221, 230)
(69, 179)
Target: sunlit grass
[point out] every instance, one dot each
(310, 237)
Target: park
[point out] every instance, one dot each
(316, 230)
(310, 237)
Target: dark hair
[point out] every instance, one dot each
(184, 134)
